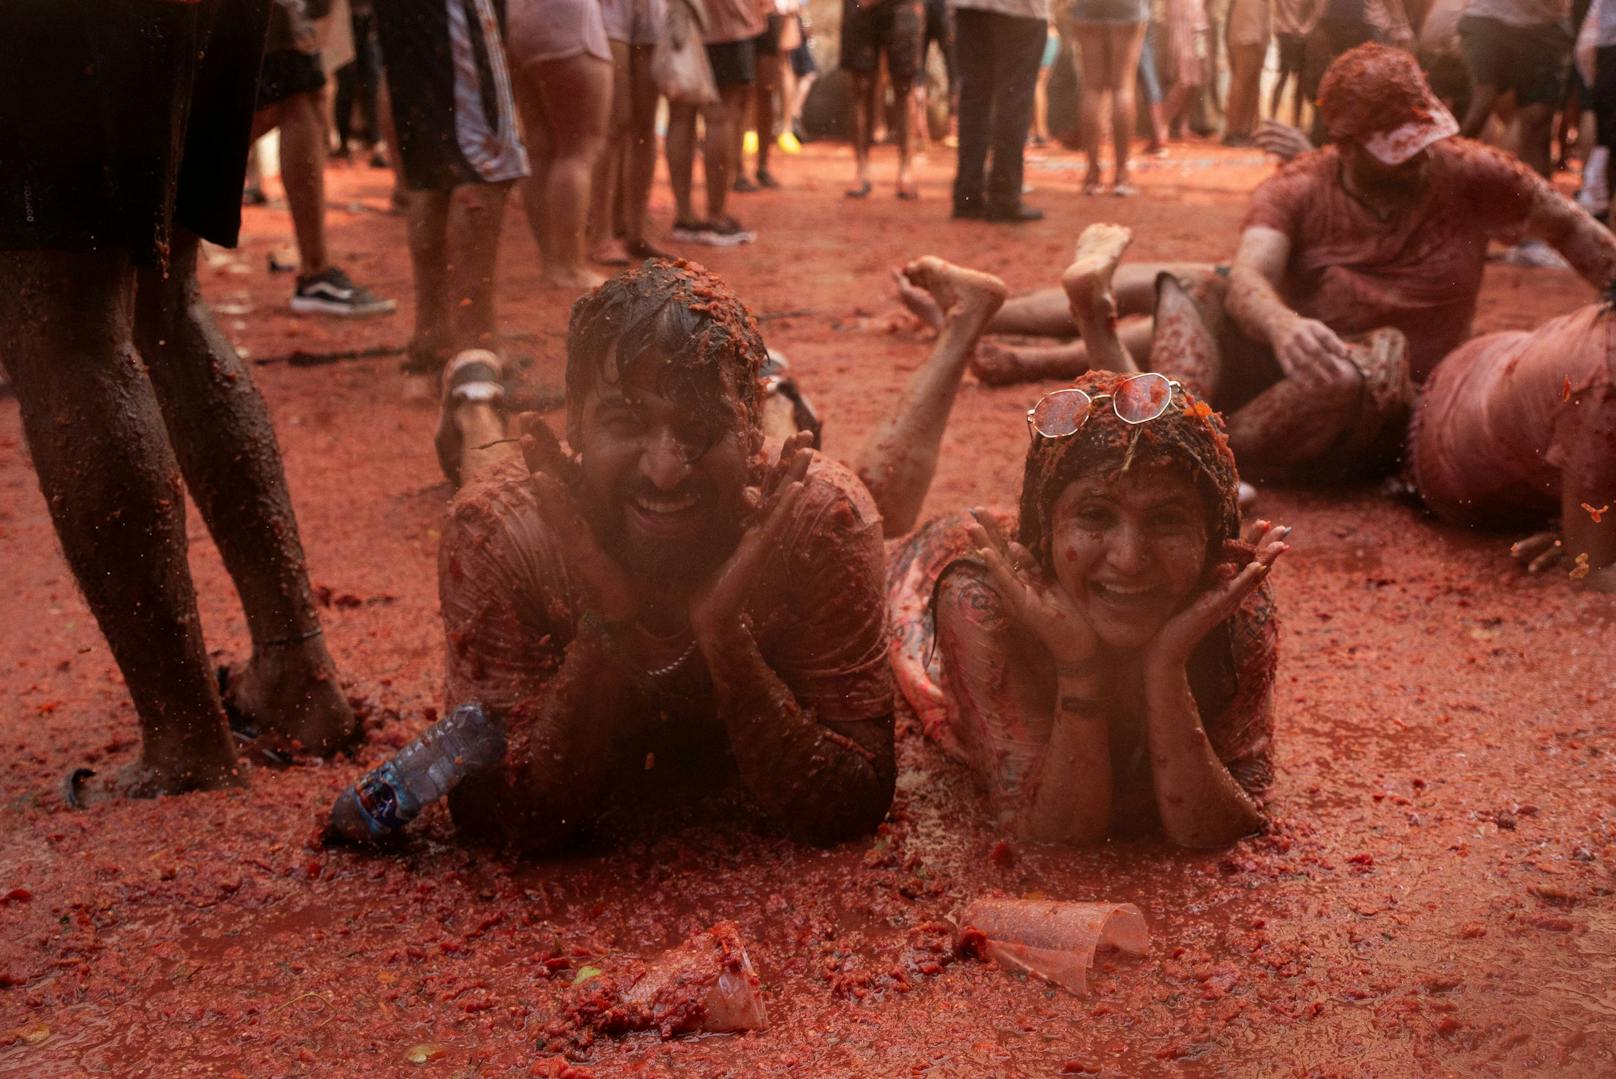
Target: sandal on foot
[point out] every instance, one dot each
(859, 192)
(473, 375)
(1093, 187)
(1124, 190)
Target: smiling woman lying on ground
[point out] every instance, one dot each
(1114, 664)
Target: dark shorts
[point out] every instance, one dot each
(768, 42)
(451, 94)
(734, 62)
(1292, 50)
(893, 27)
(1603, 95)
(287, 73)
(1533, 61)
(802, 60)
(120, 125)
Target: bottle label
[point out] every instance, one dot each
(378, 800)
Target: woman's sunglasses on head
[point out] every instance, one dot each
(1136, 400)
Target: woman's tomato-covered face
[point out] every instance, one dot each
(1130, 551)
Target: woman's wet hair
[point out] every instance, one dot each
(682, 317)
(1187, 439)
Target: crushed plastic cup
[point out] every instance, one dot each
(1052, 939)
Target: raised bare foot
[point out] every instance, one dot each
(918, 301)
(966, 298)
(290, 693)
(1087, 280)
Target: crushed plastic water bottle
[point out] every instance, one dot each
(387, 798)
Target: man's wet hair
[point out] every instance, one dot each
(681, 316)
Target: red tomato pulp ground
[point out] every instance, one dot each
(1435, 898)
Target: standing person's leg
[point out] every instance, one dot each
(1018, 46)
(607, 185)
(904, 36)
(1537, 138)
(222, 436)
(1480, 40)
(681, 151)
(302, 124)
(1128, 39)
(640, 156)
(860, 58)
(1245, 91)
(765, 92)
(427, 219)
(976, 125)
(471, 228)
(719, 151)
(530, 101)
(110, 480)
(1094, 61)
(577, 95)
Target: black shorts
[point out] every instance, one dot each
(287, 73)
(893, 27)
(768, 42)
(1604, 95)
(734, 62)
(121, 124)
(1292, 51)
(1531, 60)
(437, 54)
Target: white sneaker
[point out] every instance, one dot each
(1594, 195)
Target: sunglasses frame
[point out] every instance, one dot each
(1173, 385)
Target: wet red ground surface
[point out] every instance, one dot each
(1436, 897)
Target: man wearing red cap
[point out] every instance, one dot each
(1386, 228)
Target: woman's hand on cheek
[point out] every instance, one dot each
(1034, 603)
(1231, 584)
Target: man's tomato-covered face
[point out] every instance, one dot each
(663, 479)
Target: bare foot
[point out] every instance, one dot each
(575, 278)
(196, 762)
(918, 301)
(1087, 280)
(609, 251)
(966, 298)
(290, 693)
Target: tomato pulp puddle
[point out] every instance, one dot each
(1436, 896)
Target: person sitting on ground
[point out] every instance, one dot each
(671, 590)
(1113, 665)
(1513, 428)
(1387, 229)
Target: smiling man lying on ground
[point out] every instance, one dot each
(671, 593)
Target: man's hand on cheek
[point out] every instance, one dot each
(717, 603)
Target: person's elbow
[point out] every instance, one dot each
(826, 814)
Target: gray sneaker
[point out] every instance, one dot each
(330, 292)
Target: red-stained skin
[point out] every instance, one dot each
(1434, 898)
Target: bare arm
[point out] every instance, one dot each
(1307, 349)
(1059, 792)
(1200, 802)
(1585, 243)
(821, 779)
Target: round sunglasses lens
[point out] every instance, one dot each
(1143, 397)
(1060, 413)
